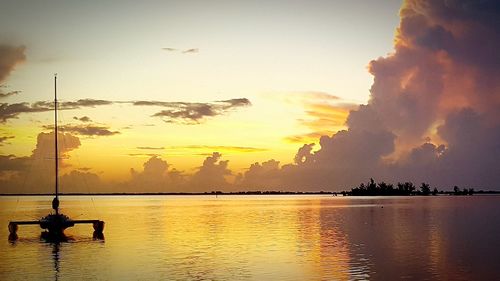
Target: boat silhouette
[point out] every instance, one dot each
(55, 223)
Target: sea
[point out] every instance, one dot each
(258, 237)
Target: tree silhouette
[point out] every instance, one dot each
(402, 188)
(425, 188)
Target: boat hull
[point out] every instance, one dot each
(55, 224)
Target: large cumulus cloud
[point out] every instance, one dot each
(434, 108)
(35, 173)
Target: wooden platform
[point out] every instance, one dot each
(38, 222)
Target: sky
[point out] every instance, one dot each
(243, 95)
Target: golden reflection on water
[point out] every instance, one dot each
(256, 238)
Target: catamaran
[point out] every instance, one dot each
(55, 223)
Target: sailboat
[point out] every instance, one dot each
(55, 223)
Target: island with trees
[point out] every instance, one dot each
(401, 189)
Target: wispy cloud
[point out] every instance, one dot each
(185, 51)
(143, 154)
(220, 148)
(150, 148)
(4, 94)
(307, 137)
(83, 119)
(8, 94)
(4, 139)
(325, 114)
(191, 51)
(169, 49)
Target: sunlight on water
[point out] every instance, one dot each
(258, 238)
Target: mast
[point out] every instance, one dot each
(55, 202)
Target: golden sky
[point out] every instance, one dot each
(278, 55)
(232, 95)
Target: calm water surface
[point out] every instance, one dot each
(259, 238)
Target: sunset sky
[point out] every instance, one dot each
(190, 95)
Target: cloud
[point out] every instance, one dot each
(177, 112)
(155, 177)
(191, 51)
(220, 148)
(9, 111)
(186, 51)
(88, 130)
(10, 56)
(308, 137)
(169, 49)
(265, 176)
(45, 145)
(433, 115)
(434, 109)
(83, 119)
(82, 181)
(4, 139)
(7, 94)
(12, 163)
(143, 154)
(150, 148)
(325, 114)
(67, 105)
(211, 175)
(193, 113)
(35, 174)
(85, 130)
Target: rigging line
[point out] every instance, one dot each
(77, 157)
(25, 179)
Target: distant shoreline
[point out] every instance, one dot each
(448, 193)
